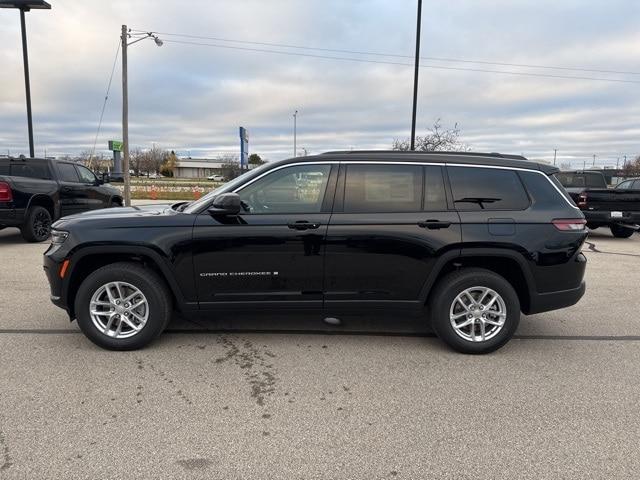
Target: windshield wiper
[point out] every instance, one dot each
(479, 200)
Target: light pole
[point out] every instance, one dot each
(555, 152)
(124, 37)
(25, 6)
(295, 139)
(594, 160)
(415, 77)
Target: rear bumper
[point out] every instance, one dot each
(544, 302)
(11, 217)
(605, 218)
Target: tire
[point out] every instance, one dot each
(129, 276)
(476, 281)
(37, 226)
(115, 204)
(619, 231)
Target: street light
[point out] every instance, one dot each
(125, 35)
(25, 6)
(415, 77)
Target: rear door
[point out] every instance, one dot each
(390, 223)
(73, 197)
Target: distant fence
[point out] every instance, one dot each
(168, 190)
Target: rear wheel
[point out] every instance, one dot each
(37, 226)
(474, 311)
(123, 306)
(619, 231)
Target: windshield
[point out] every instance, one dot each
(197, 205)
(584, 179)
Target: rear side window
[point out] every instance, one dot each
(579, 180)
(487, 189)
(383, 188)
(30, 170)
(68, 173)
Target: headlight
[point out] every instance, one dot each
(58, 237)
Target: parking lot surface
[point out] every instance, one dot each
(562, 400)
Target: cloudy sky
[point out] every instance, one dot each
(192, 98)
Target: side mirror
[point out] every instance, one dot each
(226, 204)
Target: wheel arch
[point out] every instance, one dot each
(87, 260)
(45, 201)
(510, 265)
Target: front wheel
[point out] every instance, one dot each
(474, 310)
(123, 306)
(619, 231)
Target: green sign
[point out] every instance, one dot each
(115, 145)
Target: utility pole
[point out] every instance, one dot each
(555, 151)
(27, 86)
(618, 163)
(594, 159)
(415, 77)
(295, 115)
(125, 121)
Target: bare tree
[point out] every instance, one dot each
(632, 167)
(230, 166)
(438, 139)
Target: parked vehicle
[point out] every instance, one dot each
(34, 192)
(617, 208)
(464, 241)
(216, 178)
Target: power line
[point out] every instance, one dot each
(104, 104)
(438, 67)
(379, 54)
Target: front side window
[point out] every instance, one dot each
(68, 173)
(383, 188)
(487, 189)
(625, 185)
(297, 189)
(86, 175)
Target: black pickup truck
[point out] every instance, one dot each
(34, 192)
(618, 208)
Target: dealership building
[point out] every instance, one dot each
(197, 167)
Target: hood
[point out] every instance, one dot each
(117, 214)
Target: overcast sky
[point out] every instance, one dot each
(192, 98)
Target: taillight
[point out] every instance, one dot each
(5, 192)
(569, 224)
(582, 200)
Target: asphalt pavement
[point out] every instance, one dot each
(562, 400)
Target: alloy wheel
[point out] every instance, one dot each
(478, 314)
(119, 310)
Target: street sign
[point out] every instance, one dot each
(244, 148)
(115, 145)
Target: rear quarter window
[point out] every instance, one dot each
(479, 188)
(30, 170)
(542, 192)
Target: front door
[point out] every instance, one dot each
(273, 251)
(390, 224)
(94, 197)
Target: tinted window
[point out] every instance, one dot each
(542, 192)
(86, 176)
(487, 189)
(4, 167)
(636, 185)
(298, 189)
(383, 188)
(30, 170)
(434, 196)
(585, 179)
(68, 173)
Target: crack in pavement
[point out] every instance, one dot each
(6, 458)
(593, 248)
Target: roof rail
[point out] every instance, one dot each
(437, 152)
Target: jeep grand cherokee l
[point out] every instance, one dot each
(464, 241)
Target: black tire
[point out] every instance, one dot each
(619, 231)
(37, 226)
(115, 204)
(455, 283)
(148, 282)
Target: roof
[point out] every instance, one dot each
(471, 158)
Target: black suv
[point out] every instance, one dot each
(466, 241)
(36, 191)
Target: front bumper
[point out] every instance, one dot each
(57, 285)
